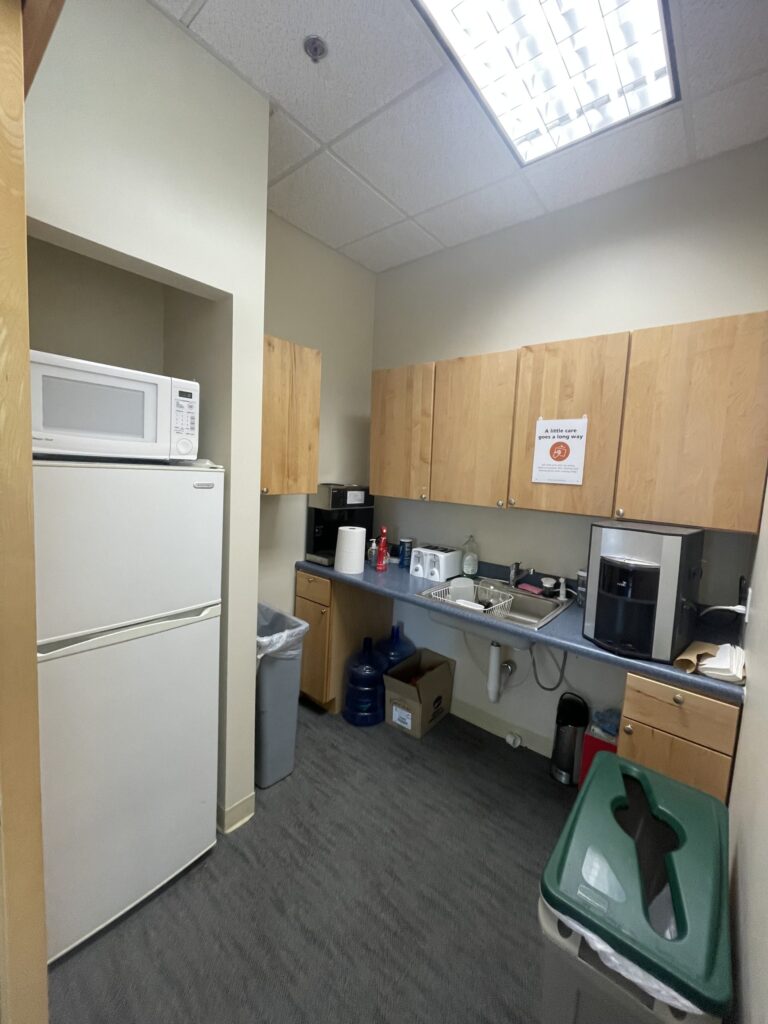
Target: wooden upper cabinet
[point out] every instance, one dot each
(472, 435)
(401, 431)
(695, 437)
(290, 422)
(566, 380)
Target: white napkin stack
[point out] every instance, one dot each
(727, 663)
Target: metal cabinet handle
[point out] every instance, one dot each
(619, 513)
(500, 503)
(628, 729)
(323, 611)
(423, 497)
(679, 699)
(310, 579)
(511, 502)
(265, 490)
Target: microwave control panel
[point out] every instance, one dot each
(186, 399)
(184, 413)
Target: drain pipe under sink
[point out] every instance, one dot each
(494, 683)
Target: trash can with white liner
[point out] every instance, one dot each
(279, 643)
(634, 903)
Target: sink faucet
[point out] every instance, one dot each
(516, 573)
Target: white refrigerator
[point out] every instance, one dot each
(128, 565)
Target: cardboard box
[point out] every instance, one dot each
(415, 708)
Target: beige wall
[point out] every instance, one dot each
(317, 297)
(749, 809)
(85, 308)
(144, 150)
(689, 245)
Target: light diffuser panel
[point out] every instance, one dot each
(552, 72)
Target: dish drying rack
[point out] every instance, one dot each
(494, 602)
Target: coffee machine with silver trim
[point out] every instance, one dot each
(642, 588)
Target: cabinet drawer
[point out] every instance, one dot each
(679, 759)
(681, 713)
(314, 588)
(314, 658)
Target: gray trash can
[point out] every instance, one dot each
(279, 641)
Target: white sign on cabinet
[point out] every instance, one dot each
(558, 455)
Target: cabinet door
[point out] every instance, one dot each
(314, 659)
(566, 380)
(401, 431)
(679, 759)
(290, 419)
(472, 434)
(695, 438)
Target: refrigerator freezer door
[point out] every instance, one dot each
(128, 740)
(117, 544)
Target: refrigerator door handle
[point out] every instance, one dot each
(63, 648)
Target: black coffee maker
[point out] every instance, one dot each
(333, 506)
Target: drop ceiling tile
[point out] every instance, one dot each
(289, 144)
(731, 117)
(325, 199)
(433, 145)
(388, 248)
(489, 209)
(723, 42)
(173, 7)
(652, 145)
(376, 50)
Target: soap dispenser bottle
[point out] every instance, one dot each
(469, 557)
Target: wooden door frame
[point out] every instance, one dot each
(23, 975)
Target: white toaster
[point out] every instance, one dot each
(436, 563)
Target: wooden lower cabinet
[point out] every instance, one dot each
(681, 734)
(339, 617)
(679, 759)
(314, 659)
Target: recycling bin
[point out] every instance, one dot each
(634, 903)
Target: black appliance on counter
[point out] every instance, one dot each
(642, 589)
(333, 506)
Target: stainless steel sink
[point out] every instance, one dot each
(504, 602)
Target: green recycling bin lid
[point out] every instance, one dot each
(643, 863)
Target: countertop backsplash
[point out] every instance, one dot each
(550, 542)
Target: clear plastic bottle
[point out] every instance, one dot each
(373, 550)
(470, 558)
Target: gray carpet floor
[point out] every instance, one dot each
(387, 880)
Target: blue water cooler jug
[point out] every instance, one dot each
(364, 697)
(396, 647)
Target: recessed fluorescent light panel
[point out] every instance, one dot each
(553, 72)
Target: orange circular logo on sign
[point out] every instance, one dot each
(559, 451)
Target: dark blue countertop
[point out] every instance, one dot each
(564, 631)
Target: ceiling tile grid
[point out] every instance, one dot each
(431, 146)
(731, 117)
(325, 199)
(289, 144)
(381, 150)
(500, 205)
(376, 51)
(398, 244)
(652, 145)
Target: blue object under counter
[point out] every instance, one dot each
(563, 632)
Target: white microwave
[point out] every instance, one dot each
(94, 411)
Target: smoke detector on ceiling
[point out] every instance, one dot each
(315, 48)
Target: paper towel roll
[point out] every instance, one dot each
(350, 550)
